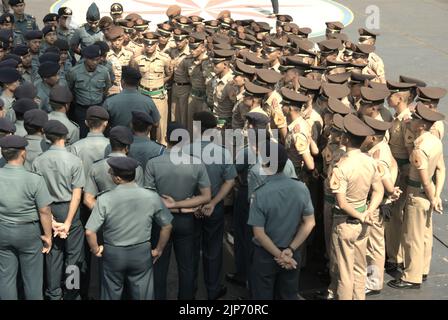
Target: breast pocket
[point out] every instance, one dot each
(100, 84)
(80, 84)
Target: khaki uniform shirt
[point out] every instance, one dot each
(386, 163)
(224, 96)
(397, 133)
(153, 69)
(118, 60)
(297, 142)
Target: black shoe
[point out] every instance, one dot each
(323, 295)
(234, 278)
(222, 292)
(400, 284)
(372, 292)
(424, 277)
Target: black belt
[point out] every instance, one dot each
(152, 89)
(183, 83)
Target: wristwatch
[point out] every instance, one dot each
(290, 248)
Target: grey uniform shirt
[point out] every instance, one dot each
(62, 172)
(100, 180)
(9, 111)
(22, 194)
(73, 128)
(120, 107)
(89, 88)
(36, 146)
(278, 206)
(144, 149)
(85, 37)
(90, 149)
(180, 179)
(43, 93)
(126, 215)
(217, 161)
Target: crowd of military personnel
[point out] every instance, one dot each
(87, 123)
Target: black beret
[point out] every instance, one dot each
(50, 17)
(97, 112)
(47, 29)
(356, 126)
(54, 50)
(423, 112)
(21, 50)
(61, 94)
(93, 13)
(207, 119)
(143, 117)
(9, 63)
(7, 126)
(9, 75)
(173, 126)
(62, 45)
(13, 142)
(55, 127)
(65, 11)
(104, 47)
(7, 18)
(49, 57)
(23, 105)
(121, 134)
(36, 117)
(15, 2)
(257, 119)
(33, 35)
(48, 69)
(25, 90)
(91, 52)
(14, 57)
(130, 74)
(122, 164)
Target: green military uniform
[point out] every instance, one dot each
(89, 89)
(9, 112)
(43, 94)
(20, 128)
(62, 172)
(100, 180)
(120, 107)
(144, 149)
(73, 128)
(65, 34)
(273, 209)
(22, 194)
(211, 229)
(126, 215)
(180, 181)
(90, 149)
(36, 146)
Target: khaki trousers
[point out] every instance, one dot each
(376, 253)
(417, 236)
(350, 245)
(162, 106)
(179, 103)
(393, 228)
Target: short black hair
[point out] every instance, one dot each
(132, 82)
(117, 145)
(56, 105)
(355, 141)
(55, 137)
(32, 129)
(140, 126)
(95, 123)
(125, 175)
(10, 153)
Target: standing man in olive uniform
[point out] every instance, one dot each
(34, 122)
(89, 83)
(89, 33)
(120, 106)
(48, 72)
(155, 68)
(64, 31)
(183, 183)
(118, 56)
(281, 224)
(64, 176)
(92, 147)
(24, 210)
(425, 184)
(22, 22)
(143, 148)
(210, 219)
(98, 178)
(353, 177)
(126, 216)
(60, 98)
